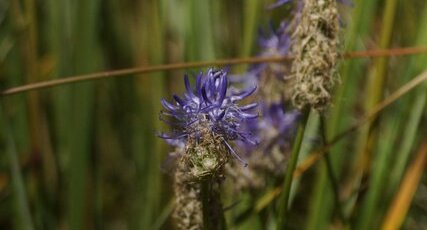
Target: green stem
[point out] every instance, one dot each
(251, 15)
(377, 84)
(369, 135)
(21, 201)
(162, 219)
(284, 199)
(330, 172)
(205, 205)
(416, 111)
(213, 215)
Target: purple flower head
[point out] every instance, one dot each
(210, 105)
(276, 118)
(274, 128)
(277, 42)
(273, 43)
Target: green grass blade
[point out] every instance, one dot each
(78, 105)
(22, 207)
(287, 185)
(341, 114)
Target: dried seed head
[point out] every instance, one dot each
(315, 49)
(203, 161)
(205, 157)
(188, 213)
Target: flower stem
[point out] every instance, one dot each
(22, 207)
(284, 199)
(331, 174)
(205, 205)
(213, 215)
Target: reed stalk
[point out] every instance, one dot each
(291, 165)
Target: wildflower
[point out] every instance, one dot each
(275, 118)
(205, 120)
(276, 44)
(210, 109)
(274, 130)
(279, 41)
(270, 76)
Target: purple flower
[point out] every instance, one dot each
(274, 128)
(283, 123)
(210, 105)
(278, 3)
(274, 43)
(277, 42)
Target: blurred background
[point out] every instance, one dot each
(86, 155)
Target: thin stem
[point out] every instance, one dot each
(139, 70)
(317, 154)
(162, 219)
(385, 52)
(312, 159)
(331, 174)
(368, 135)
(205, 205)
(176, 66)
(213, 213)
(21, 201)
(402, 201)
(284, 200)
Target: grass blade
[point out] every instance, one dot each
(397, 212)
(21, 202)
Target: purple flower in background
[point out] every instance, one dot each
(278, 3)
(274, 43)
(275, 116)
(277, 42)
(274, 131)
(210, 105)
(275, 127)
(275, 121)
(283, 123)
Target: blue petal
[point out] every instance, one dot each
(222, 89)
(221, 115)
(166, 136)
(248, 115)
(249, 107)
(235, 154)
(179, 100)
(243, 94)
(199, 84)
(167, 105)
(205, 96)
(278, 3)
(187, 86)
